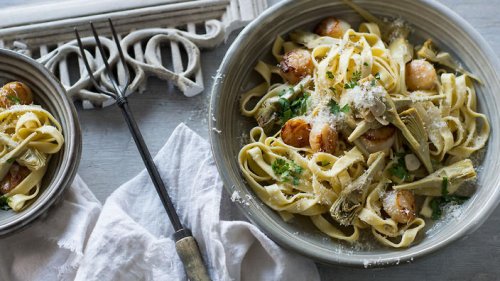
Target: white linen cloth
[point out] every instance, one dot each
(132, 237)
(52, 248)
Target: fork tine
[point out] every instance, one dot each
(122, 57)
(87, 66)
(105, 60)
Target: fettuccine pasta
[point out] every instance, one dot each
(363, 132)
(29, 135)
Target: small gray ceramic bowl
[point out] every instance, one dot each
(49, 93)
(430, 20)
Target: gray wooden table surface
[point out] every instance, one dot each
(110, 158)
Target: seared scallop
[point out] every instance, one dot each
(295, 132)
(323, 138)
(332, 27)
(15, 93)
(420, 75)
(379, 139)
(14, 177)
(296, 64)
(399, 205)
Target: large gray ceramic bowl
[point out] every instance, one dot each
(49, 93)
(430, 20)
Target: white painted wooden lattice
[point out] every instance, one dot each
(147, 28)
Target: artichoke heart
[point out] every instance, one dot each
(428, 52)
(392, 116)
(401, 103)
(362, 127)
(18, 149)
(431, 185)
(357, 142)
(401, 48)
(350, 202)
(32, 159)
(267, 116)
(415, 125)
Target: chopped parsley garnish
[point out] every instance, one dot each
(377, 76)
(336, 109)
(399, 168)
(365, 63)
(14, 99)
(444, 186)
(295, 108)
(350, 85)
(330, 75)
(279, 166)
(333, 90)
(436, 208)
(287, 170)
(4, 200)
(355, 77)
(437, 203)
(285, 110)
(299, 106)
(11, 160)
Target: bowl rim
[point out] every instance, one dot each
(467, 227)
(66, 176)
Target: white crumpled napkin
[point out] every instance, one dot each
(132, 237)
(51, 249)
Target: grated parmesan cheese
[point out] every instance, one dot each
(451, 214)
(364, 96)
(235, 196)
(321, 115)
(389, 201)
(434, 117)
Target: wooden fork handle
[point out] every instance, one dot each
(188, 251)
(185, 244)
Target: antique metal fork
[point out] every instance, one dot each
(185, 244)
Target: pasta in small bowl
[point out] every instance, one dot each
(40, 142)
(360, 129)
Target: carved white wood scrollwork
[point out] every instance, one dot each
(144, 43)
